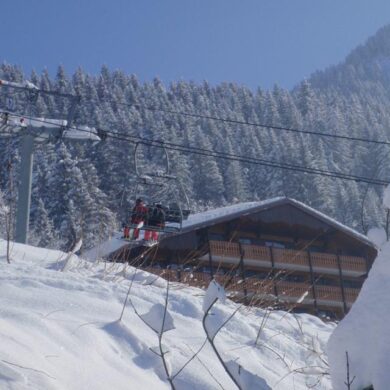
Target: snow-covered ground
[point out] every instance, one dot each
(365, 331)
(60, 330)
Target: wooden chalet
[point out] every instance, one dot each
(279, 253)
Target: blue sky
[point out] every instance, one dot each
(251, 42)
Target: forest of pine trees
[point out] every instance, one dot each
(85, 190)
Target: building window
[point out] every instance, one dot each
(322, 281)
(251, 274)
(352, 283)
(216, 237)
(275, 244)
(257, 274)
(245, 241)
(315, 249)
(294, 278)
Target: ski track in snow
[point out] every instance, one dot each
(60, 330)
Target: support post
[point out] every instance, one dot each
(366, 262)
(273, 272)
(73, 105)
(242, 271)
(312, 280)
(179, 267)
(24, 192)
(342, 284)
(210, 257)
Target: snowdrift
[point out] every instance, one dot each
(60, 330)
(364, 333)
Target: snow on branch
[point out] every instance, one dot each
(154, 319)
(214, 291)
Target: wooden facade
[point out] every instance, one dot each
(280, 253)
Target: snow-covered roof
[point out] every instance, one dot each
(215, 216)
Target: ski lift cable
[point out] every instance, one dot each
(232, 157)
(206, 152)
(253, 124)
(211, 153)
(190, 149)
(32, 88)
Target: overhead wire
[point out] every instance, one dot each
(248, 123)
(229, 120)
(222, 155)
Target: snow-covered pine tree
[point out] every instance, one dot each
(3, 215)
(42, 231)
(208, 181)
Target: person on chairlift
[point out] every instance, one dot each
(139, 214)
(156, 219)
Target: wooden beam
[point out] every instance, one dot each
(342, 284)
(242, 270)
(210, 256)
(273, 272)
(312, 280)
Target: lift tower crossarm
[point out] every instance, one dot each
(29, 86)
(37, 130)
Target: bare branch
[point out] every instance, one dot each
(349, 381)
(207, 369)
(28, 368)
(190, 359)
(211, 341)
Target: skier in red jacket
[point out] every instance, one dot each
(138, 215)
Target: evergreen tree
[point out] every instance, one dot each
(306, 98)
(42, 232)
(234, 180)
(3, 215)
(208, 181)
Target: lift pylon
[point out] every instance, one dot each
(33, 131)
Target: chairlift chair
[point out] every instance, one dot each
(175, 213)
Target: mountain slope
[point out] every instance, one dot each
(60, 330)
(365, 71)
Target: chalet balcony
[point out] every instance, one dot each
(264, 290)
(286, 259)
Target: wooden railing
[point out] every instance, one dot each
(324, 260)
(262, 287)
(328, 293)
(291, 257)
(257, 252)
(225, 249)
(196, 279)
(353, 263)
(295, 290)
(351, 294)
